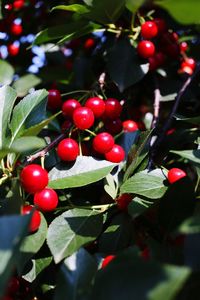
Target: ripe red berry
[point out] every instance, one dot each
(123, 201)
(130, 126)
(145, 49)
(189, 62)
(83, 117)
(149, 30)
(175, 174)
(183, 46)
(103, 142)
(116, 154)
(35, 219)
(13, 286)
(89, 43)
(18, 4)
(113, 108)
(13, 50)
(113, 126)
(54, 100)
(156, 61)
(107, 260)
(186, 69)
(97, 105)
(69, 106)
(161, 25)
(16, 29)
(33, 178)
(46, 200)
(68, 149)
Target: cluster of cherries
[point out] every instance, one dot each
(166, 45)
(34, 179)
(17, 287)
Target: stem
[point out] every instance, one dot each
(90, 132)
(75, 92)
(44, 151)
(156, 105)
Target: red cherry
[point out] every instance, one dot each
(175, 174)
(123, 201)
(13, 286)
(145, 49)
(36, 217)
(54, 100)
(68, 149)
(103, 142)
(113, 126)
(113, 108)
(46, 200)
(97, 105)
(83, 117)
(89, 43)
(116, 154)
(13, 50)
(18, 4)
(186, 69)
(183, 46)
(130, 126)
(161, 25)
(107, 260)
(69, 106)
(189, 62)
(156, 61)
(149, 30)
(33, 178)
(8, 6)
(16, 29)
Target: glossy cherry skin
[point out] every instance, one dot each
(123, 201)
(103, 142)
(69, 106)
(116, 154)
(189, 62)
(186, 69)
(129, 126)
(13, 50)
(149, 30)
(16, 29)
(68, 149)
(33, 178)
(18, 4)
(97, 105)
(36, 217)
(183, 46)
(83, 118)
(54, 99)
(145, 49)
(113, 108)
(175, 174)
(107, 260)
(46, 200)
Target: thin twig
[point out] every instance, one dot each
(156, 105)
(44, 151)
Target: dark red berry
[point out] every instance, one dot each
(113, 108)
(130, 126)
(54, 100)
(156, 61)
(116, 154)
(83, 117)
(68, 149)
(46, 200)
(13, 286)
(123, 201)
(145, 49)
(89, 43)
(97, 105)
(113, 126)
(103, 142)
(175, 174)
(35, 219)
(161, 25)
(149, 30)
(107, 260)
(16, 29)
(183, 46)
(69, 106)
(33, 178)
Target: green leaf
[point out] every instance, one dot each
(27, 143)
(106, 12)
(23, 111)
(32, 244)
(137, 207)
(190, 225)
(25, 83)
(133, 5)
(37, 266)
(12, 203)
(194, 120)
(182, 11)
(150, 185)
(191, 155)
(13, 231)
(138, 279)
(78, 8)
(71, 230)
(124, 66)
(7, 100)
(84, 171)
(76, 276)
(6, 72)
(137, 153)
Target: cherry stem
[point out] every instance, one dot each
(76, 92)
(45, 150)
